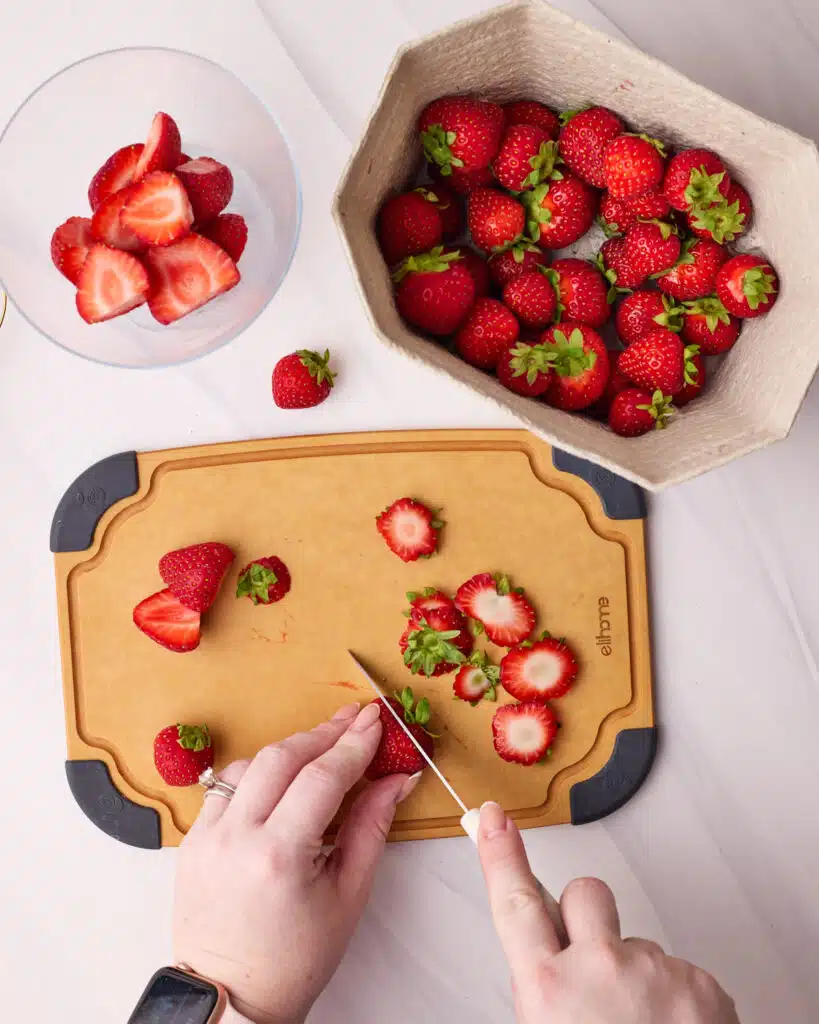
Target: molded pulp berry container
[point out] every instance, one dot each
(531, 50)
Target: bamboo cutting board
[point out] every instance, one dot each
(569, 533)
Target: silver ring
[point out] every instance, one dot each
(214, 786)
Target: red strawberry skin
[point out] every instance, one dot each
(633, 167)
(514, 371)
(408, 224)
(478, 270)
(583, 390)
(583, 140)
(511, 263)
(69, 247)
(677, 178)
(506, 614)
(540, 671)
(428, 601)
(624, 274)
(182, 753)
(656, 361)
(302, 379)
(494, 219)
(396, 753)
(708, 324)
(187, 275)
(617, 382)
(643, 311)
(523, 733)
(463, 182)
(264, 580)
(449, 206)
(534, 113)
(560, 212)
(409, 528)
(157, 209)
(582, 292)
(209, 185)
(229, 232)
(629, 414)
(111, 283)
(653, 206)
(691, 391)
(532, 299)
(652, 247)
(167, 621)
(477, 127)
(194, 574)
(747, 285)
(434, 294)
(695, 279)
(117, 172)
(163, 148)
(486, 333)
(615, 216)
(517, 164)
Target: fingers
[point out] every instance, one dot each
(646, 945)
(214, 805)
(518, 908)
(310, 804)
(589, 911)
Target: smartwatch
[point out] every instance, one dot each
(177, 996)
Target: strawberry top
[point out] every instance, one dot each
(396, 753)
(695, 179)
(461, 132)
(434, 291)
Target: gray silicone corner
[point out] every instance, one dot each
(621, 499)
(619, 778)
(91, 495)
(104, 805)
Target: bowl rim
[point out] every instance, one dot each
(296, 177)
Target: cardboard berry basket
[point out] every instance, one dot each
(530, 50)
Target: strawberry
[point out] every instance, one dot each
(183, 159)
(69, 246)
(460, 132)
(634, 411)
(633, 165)
(427, 602)
(182, 753)
(157, 209)
(523, 733)
(659, 362)
(117, 172)
(437, 643)
(582, 292)
(581, 367)
(692, 390)
(209, 185)
(462, 182)
(408, 224)
(723, 221)
(652, 247)
(194, 574)
(168, 622)
(526, 368)
(695, 179)
(486, 333)
(434, 291)
(653, 206)
(302, 379)
(539, 670)
(617, 268)
(495, 220)
(450, 209)
(107, 227)
(478, 270)
(615, 216)
(264, 580)
(505, 266)
(525, 159)
(583, 139)
(186, 275)
(163, 148)
(534, 113)
(111, 283)
(396, 754)
(559, 212)
(617, 382)
(708, 324)
(229, 232)
(644, 310)
(695, 274)
(476, 679)
(532, 299)
(747, 285)
(409, 529)
(505, 614)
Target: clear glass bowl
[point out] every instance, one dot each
(66, 130)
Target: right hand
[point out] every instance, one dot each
(598, 978)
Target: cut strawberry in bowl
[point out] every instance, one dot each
(187, 275)
(163, 148)
(118, 171)
(229, 231)
(157, 209)
(107, 226)
(69, 246)
(209, 185)
(110, 283)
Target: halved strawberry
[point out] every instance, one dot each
(209, 185)
(162, 150)
(437, 643)
(69, 246)
(229, 231)
(107, 227)
(504, 613)
(111, 283)
(117, 172)
(186, 275)
(410, 529)
(523, 733)
(168, 622)
(195, 574)
(539, 670)
(157, 209)
(477, 679)
(427, 602)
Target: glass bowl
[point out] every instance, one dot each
(69, 127)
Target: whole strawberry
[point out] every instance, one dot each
(708, 324)
(617, 382)
(643, 311)
(695, 274)
(408, 224)
(434, 291)
(437, 643)
(264, 580)
(747, 285)
(526, 368)
(653, 206)
(486, 333)
(477, 267)
(582, 291)
(514, 261)
(695, 179)
(615, 216)
(581, 365)
(461, 132)
(525, 159)
(652, 247)
(449, 206)
(532, 299)
(659, 362)
(182, 753)
(635, 411)
(396, 753)
(615, 265)
(583, 139)
(462, 182)
(534, 113)
(195, 574)
(302, 379)
(559, 212)
(633, 166)
(495, 220)
(692, 389)
(724, 221)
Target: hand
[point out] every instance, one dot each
(598, 978)
(259, 907)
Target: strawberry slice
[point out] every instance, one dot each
(186, 275)
(163, 148)
(168, 622)
(107, 226)
(428, 602)
(117, 172)
(111, 283)
(209, 185)
(195, 574)
(538, 671)
(410, 529)
(69, 246)
(523, 733)
(477, 679)
(505, 614)
(229, 231)
(157, 209)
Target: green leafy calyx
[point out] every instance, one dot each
(672, 316)
(317, 365)
(193, 737)
(724, 221)
(712, 309)
(570, 358)
(757, 284)
(433, 262)
(437, 145)
(255, 583)
(661, 409)
(427, 648)
(543, 165)
(691, 374)
(703, 190)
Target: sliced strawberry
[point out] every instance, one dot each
(163, 148)
(437, 643)
(186, 275)
(157, 209)
(504, 613)
(538, 671)
(117, 172)
(168, 622)
(410, 529)
(209, 185)
(111, 283)
(229, 231)
(107, 226)
(477, 679)
(69, 246)
(427, 602)
(523, 733)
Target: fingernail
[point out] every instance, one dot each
(348, 711)
(493, 819)
(367, 717)
(408, 787)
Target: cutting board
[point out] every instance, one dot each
(571, 534)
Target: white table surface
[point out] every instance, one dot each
(717, 857)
